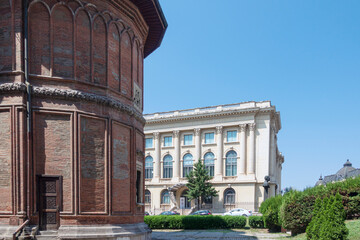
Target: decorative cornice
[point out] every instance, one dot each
(242, 127)
(12, 87)
(253, 108)
(73, 94)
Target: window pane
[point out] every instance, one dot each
(209, 138)
(148, 143)
(148, 167)
(188, 139)
(167, 169)
(167, 141)
(231, 136)
(209, 163)
(147, 196)
(188, 164)
(231, 163)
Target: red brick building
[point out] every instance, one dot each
(71, 124)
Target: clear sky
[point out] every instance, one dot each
(302, 55)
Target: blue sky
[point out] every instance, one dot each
(302, 55)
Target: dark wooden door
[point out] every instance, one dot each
(49, 205)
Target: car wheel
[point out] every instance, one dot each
(244, 215)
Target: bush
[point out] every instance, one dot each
(270, 209)
(328, 222)
(297, 207)
(195, 222)
(256, 221)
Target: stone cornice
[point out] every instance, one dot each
(209, 112)
(72, 94)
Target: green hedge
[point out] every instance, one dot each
(297, 207)
(256, 221)
(195, 222)
(270, 209)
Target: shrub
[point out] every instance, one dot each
(297, 208)
(235, 221)
(270, 209)
(328, 222)
(256, 221)
(195, 222)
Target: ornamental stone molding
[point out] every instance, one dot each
(156, 135)
(219, 129)
(197, 131)
(176, 133)
(242, 127)
(68, 94)
(252, 126)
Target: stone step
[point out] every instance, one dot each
(47, 235)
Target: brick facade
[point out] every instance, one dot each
(84, 60)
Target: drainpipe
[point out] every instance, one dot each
(28, 107)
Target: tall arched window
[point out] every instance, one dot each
(147, 196)
(168, 168)
(231, 159)
(209, 163)
(148, 167)
(229, 196)
(187, 164)
(165, 197)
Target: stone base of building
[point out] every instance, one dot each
(138, 231)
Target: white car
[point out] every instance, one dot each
(238, 212)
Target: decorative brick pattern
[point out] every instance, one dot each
(92, 164)
(5, 162)
(121, 150)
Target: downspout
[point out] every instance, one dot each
(28, 108)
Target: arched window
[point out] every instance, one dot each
(147, 196)
(168, 168)
(209, 163)
(148, 167)
(231, 158)
(229, 196)
(165, 197)
(187, 200)
(188, 164)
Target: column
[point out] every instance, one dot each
(219, 159)
(251, 160)
(176, 167)
(157, 156)
(197, 144)
(242, 164)
(272, 160)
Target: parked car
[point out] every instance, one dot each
(201, 212)
(238, 212)
(169, 213)
(146, 213)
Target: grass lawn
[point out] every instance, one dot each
(352, 225)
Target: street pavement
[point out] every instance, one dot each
(215, 234)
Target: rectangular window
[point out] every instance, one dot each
(138, 186)
(149, 143)
(209, 137)
(231, 136)
(167, 141)
(188, 139)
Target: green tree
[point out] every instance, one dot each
(198, 184)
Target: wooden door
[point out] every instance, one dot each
(49, 204)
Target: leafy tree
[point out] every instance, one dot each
(198, 184)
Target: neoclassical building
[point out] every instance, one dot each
(71, 124)
(236, 142)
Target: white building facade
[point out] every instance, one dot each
(236, 142)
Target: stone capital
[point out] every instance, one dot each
(219, 129)
(242, 127)
(252, 126)
(156, 135)
(197, 131)
(176, 133)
